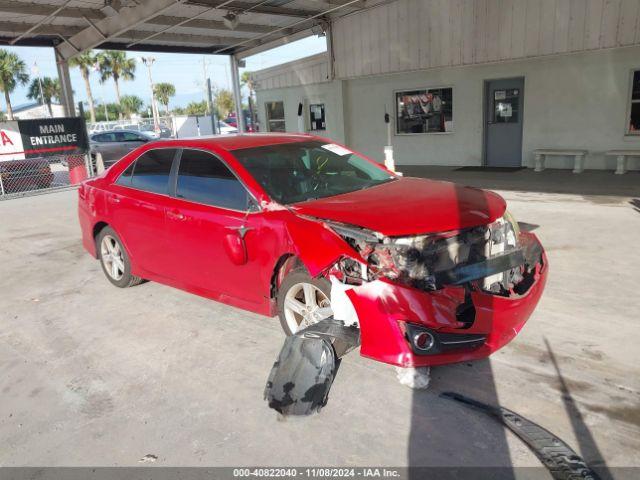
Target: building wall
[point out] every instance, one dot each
(39, 111)
(329, 93)
(572, 101)
(313, 69)
(408, 35)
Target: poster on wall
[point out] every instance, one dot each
(424, 111)
(42, 138)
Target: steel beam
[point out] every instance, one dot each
(135, 35)
(66, 91)
(237, 93)
(115, 26)
(35, 26)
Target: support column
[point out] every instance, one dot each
(66, 92)
(237, 95)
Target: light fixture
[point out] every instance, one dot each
(319, 30)
(231, 20)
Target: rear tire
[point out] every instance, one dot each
(296, 287)
(114, 259)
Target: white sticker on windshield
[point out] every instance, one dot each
(337, 149)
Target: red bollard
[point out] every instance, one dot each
(77, 169)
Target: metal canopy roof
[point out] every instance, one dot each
(189, 26)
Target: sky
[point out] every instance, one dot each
(185, 71)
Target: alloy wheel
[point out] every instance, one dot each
(112, 257)
(304, 305)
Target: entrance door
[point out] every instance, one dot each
(503, 122)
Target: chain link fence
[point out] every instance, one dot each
(32, 176)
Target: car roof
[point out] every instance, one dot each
(239, 141)
(119, 130)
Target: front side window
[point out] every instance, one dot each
(203, 178)
(152, 170)
(296, 172)
(275, 117)
(634, 110)
(424, 111)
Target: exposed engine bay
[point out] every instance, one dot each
(490, 253)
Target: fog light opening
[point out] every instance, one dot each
(423, 341)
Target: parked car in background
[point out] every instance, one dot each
(430, 272)
(226, 129)
(25, 175)
(116, 144)
(232, 121)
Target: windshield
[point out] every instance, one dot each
(296, 172)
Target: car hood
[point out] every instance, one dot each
(409, 206)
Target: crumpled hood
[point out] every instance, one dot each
(409, 206)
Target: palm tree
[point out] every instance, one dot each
(13, 71)
(115, 64)
(50, 90)
(223, 102)
(163, 92)
(131, 104)
(85, 62)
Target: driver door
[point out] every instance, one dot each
(207, 221)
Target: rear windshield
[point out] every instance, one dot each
(297, 172)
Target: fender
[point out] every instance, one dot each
(315, 244)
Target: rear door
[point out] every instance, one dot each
(129, 141)
(211, 208)
(138, 200)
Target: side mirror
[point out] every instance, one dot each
(235, 248)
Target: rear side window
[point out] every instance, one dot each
(151, 171)
(203, 178)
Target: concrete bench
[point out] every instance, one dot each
(540, 156)
(622, 155)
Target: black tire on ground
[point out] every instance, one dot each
(299, 275)
(127, 279)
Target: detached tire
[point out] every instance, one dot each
(114, 259)
(299, 298)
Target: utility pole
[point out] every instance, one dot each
(36, 71)
(207, 87)
(148, 61)
(214, 128)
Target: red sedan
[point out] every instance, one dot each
(429, 272)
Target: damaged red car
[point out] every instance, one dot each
(296, 226)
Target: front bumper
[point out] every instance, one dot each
(385, 309)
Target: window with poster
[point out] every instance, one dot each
(506, 105)
(275, 117)
(424, 111)
(316, 116)
(633, 122)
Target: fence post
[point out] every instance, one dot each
(89, 165)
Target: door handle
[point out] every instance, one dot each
(242, 230)
(176, 215)
(113, 199)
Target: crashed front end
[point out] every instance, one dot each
(440, 298)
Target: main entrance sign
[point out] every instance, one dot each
(42, 137)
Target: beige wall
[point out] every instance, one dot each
(571, 101)
(407, 35)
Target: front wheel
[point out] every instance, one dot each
(114, 259)
(303, 301)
